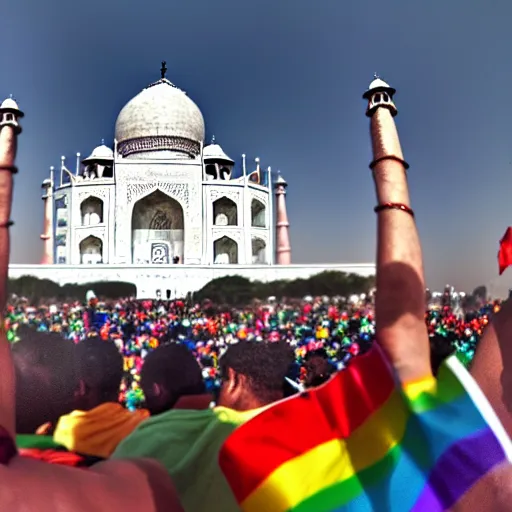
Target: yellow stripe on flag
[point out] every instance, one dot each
(414, 389)
(331, 462)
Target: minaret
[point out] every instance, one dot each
(387, 153)
(9, 131)
(47, 236)
(283, 247)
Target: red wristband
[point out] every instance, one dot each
(394, 206)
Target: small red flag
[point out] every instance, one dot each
(505, 252)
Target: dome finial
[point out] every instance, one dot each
(376, 75)
(213, 139)
(163, 69)
(102, 142)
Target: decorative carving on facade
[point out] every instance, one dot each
(159, 143)
(260, 196)
(217, 193)
(234, 234)
(138, 171)
(195, 209)
(121, 227)
(178, 191)
(82, 234)
(195, 241)
(263, 236)
(101, 193)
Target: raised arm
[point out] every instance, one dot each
(9, 130)
(492, 366)
(400, 298)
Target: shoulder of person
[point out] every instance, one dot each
(128, 485)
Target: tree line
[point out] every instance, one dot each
(42, 290)
(229, 290)
(238, 291)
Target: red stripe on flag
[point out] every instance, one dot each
(295, 426)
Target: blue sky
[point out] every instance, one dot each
(283, 81)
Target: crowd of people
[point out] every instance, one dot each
(102, 380)
(329, 330)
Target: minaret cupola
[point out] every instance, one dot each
(10, 113)
(380, 94)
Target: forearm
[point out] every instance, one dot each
(7, 154)
(400, 298)
(6, 369)
(8, 146)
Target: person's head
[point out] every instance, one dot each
(100, 370)
(440, 349)
(46, 379)
(318, 368)
(169, 373)
(253, 374)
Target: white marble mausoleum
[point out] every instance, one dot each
(159, 208)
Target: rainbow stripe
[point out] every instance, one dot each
(360, 443)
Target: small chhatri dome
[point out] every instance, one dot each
(10, 105)
(215, 152)
(160, 118)
(378, 85)
(280, 181)
(100, 153)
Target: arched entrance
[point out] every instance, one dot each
(91, 210)
(91, 250)
(225, 251)
(157, 230)
(258, 214)
(259, 251)
(225, 212)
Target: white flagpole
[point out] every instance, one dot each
(246, 215)
(270, 218)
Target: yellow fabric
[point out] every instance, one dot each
(97, 432)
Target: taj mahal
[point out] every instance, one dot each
(162, 209)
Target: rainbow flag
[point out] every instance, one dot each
(363, 443)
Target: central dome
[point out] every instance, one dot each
(160, 118)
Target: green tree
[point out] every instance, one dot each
(238, 291)
(37, 290)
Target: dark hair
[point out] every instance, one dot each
(319, 352)
(440, 349)
(265, 364)
(46, 378)
(174, 367)
(100, 367)
(319, 368)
